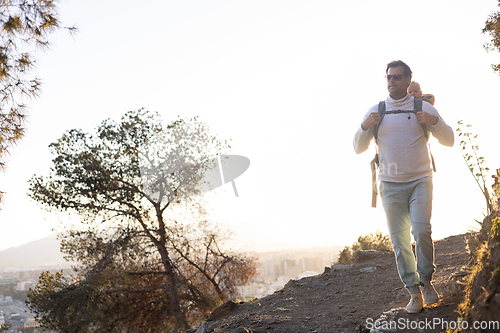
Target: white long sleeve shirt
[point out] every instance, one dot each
(402, 146)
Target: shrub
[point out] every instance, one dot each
(376, 241)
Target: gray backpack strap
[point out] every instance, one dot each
(417, 103)
(381, 111)
(375, 162)
(418, 107)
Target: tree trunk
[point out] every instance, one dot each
(173, 289)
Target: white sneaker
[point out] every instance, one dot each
(430, 294)
(416, 303)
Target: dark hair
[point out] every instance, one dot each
(397, 63)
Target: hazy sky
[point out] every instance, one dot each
(288, 82)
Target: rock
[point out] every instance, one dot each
(340, 267)
(474, 243)
(333, 268)
(290, 284)
(222, 310)
(385, 317)
(368, 269)
(242, 329)
(270, 321)
(362, 329)
(204, 328)
(487, 224)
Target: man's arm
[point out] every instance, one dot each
(439, 129)
(427, 118)
(373, 118)
(364, 134)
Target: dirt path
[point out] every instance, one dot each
(352, 298)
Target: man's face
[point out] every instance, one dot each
(397, 83)
(415, 91)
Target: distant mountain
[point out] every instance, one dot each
(36, 254)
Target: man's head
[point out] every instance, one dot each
(398, 79)
(414, 90)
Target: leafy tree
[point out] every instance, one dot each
(5, 327)
(25, 26)
(492, 28)
(150, 261)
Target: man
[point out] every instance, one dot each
(416, 92)
(406, 179)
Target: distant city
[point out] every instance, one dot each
(14, 286)
(20, 268)
(275, 270)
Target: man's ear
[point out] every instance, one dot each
(409, 82)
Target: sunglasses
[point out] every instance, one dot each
(397, 77)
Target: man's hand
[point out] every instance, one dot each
(426, 118)
(373, 119)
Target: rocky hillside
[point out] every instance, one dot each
(482, 300)
(350, 298)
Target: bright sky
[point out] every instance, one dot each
(288, 82)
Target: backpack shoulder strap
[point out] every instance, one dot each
(375, 162)
(417, 103)
(417, 106)
(381, 111)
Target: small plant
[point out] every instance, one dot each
(474, 162)
(495, 229)
(496, 190)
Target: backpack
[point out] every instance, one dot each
(417, 106)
